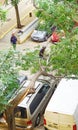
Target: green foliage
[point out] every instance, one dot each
(30, 61)
(43, 26)
(3, 14)
(8, 76)
(57, 13)
(74, 31)
(14, 2)
(63, 60)
(64, 57)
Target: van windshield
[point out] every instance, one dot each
(20, 112)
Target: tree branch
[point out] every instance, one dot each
(30, 89)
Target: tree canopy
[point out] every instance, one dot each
(61, 59)
(2, 14)
(15, 2)
(8, 76)
(61, 13)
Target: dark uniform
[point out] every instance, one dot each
(41, 53)
(13, 41)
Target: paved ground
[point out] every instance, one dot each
(40, 127)
(9, 26)
(6, 29)
(25, 7)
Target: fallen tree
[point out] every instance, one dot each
(20, 96)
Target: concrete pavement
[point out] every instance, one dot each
(25, 7)
(6, 29)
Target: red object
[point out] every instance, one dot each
(74, 127)
(29, 122)
(55, 37)
(44, 121)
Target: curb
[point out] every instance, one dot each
(12, 27)
(26, 31)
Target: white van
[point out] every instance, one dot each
(62, 110)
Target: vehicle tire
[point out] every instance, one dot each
(37, 121)
(45, 38)
(46, 128)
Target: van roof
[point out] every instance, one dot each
(26, 99)
(65, 97)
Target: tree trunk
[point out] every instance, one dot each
(30, 89)
(77, 1)
(17, 17)
(10, 118)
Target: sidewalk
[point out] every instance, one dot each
(25, 7)
(9, 27)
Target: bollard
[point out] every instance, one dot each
(30, 14)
